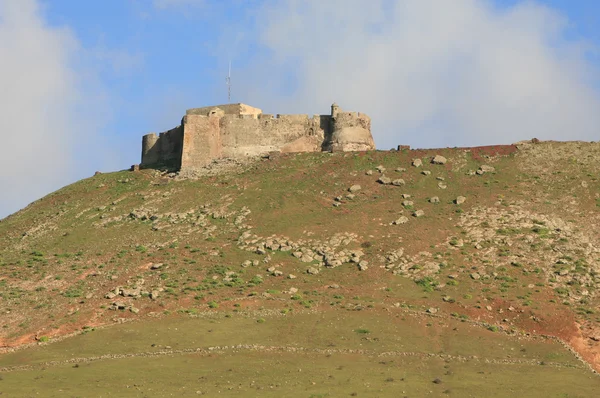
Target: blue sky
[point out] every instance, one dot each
(92, 77)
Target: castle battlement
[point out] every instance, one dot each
(240, 130)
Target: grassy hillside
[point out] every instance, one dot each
(286, 283)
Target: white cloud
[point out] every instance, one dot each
(429, 72)
(45, 121)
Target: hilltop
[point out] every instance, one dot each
(446, 270)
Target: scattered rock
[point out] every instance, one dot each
(439, 159)
(354, 188)
(434, 199)
(380, 168)
(398, 182)
(400, 221)
(475, 276)
(419, 213)
(363, 265)
(312, 271)
(369, 172)
(426, 172)
(417, 163)
(110, 295)
(156, 266)
(441, 185)
(460, 200)
(432, 310)
(291, 276)
(408, 203)
(384, 180)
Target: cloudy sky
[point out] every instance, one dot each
(82, 81)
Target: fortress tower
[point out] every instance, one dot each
(240, 130)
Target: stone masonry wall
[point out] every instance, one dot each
(239, 130)
(164, 149)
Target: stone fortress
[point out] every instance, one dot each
(239, 131)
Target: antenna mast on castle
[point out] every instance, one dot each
(228, 81)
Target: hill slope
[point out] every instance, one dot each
(282, 251)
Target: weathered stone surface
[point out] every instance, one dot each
(238, 131)
(417, 163)
(460, 200)
(398, 182)
(354, 188)
(419, 213)
(439, 159)
(384, 180)
(401, 220)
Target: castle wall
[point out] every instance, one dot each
(228, 109)
(351, 132)
(201, 141)
(246, 136)
(239, 130)
(164, 149)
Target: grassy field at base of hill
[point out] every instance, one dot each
(297, 355)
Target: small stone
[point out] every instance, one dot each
(156, 266)
(291, 276)
(246, 263)
(475, 276)
(419, 213)
(336, 204)
(408, 203)
(380, 168)
(460, 200)
(400, 221)
(134, 310)
(384, 180)
(350, 196)
(110, 295)
(369, 172)
(398, 182)
(439, 159)
(434, 199)
(363, 265)
(400, 169)
(312, 271)
(417, 163)
(426, 172)
(154, 294)
(563, 272)
(406, 196)
(432, 310)
(488, 307)
(293, 290)
(441, 185)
